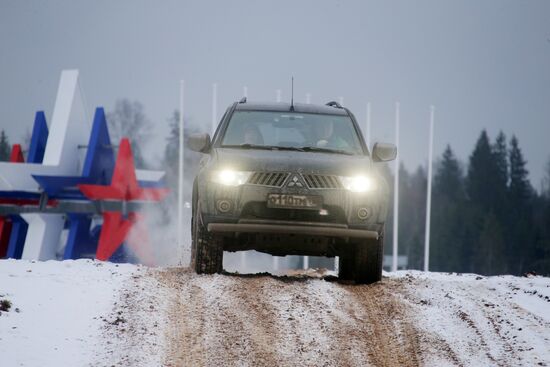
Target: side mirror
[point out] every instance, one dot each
(199, 142)
(384, 152)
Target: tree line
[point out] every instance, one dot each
(486, 217)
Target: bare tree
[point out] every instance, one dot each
(128, 119)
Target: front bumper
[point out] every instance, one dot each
(304, 230)
(249, 202)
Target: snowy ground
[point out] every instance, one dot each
(80, 313)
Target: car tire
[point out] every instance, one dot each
(206, 249)
(369, 257)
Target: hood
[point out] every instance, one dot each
(291, 161)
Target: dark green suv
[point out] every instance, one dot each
(290, 180)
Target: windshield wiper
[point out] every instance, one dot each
(265, 147)
(325, 150)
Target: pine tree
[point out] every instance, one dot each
(500, 154)
(482, 175)
(489, 256)
(5, 148)
(448, 179)
(520, 188)
(449, 251)
(521, 211)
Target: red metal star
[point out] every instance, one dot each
(124, 187)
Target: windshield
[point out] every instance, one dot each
(292, 130)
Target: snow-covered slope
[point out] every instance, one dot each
(89, 313)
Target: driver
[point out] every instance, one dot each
(325, 138)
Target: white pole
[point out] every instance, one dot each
(367, 132)
(214, 107)
(243, 253)
(429, 194)
(180, 176)
(275, 263)
(306, 258)
(341, 101)
(396, 192)
(278, 95)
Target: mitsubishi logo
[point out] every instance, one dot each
(295, 182)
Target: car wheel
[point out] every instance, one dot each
(206, 249)
(369, 256)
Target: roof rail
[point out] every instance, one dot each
(243, 100)
(334, 104)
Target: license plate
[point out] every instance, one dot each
(294, 201)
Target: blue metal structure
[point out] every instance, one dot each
(19, 228)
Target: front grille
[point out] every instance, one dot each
(259, 210)
(322, 182)
(275, 179)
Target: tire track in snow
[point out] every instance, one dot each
(266, 321)
(409, 319)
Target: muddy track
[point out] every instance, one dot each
(266, 321)
(173, 317)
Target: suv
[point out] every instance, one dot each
(290, 179)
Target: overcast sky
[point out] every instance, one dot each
(483, 64)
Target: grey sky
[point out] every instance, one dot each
(483, 64)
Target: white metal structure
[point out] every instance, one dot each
(308, 98)
(278, 95)
(396, 193)
(429, 194)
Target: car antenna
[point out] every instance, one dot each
(292, 95)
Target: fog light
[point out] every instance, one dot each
(223, 206)
(363, 213)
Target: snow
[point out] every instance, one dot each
(83, 312)
(55, 318)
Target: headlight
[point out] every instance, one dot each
(358, 183)
(230, 178)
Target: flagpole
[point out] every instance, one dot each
(429, 194)
(180, 174)
(396, 193)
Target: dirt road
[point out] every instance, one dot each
(261, 320)
(303, 319)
